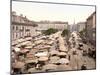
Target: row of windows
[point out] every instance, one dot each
(21, 28)
(20, 35)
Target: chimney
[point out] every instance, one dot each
(21, 15)
(25, 17)
(13, 13)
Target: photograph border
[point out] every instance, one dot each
(58, 3)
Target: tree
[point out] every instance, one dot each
(83, 32)
(50, 31)
(65, 32)
(82, 35)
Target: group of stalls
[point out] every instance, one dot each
(29, 56)
(59, 58)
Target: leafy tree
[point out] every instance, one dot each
(50, 31)
(83, 32)
(65, 32)
(83, 35)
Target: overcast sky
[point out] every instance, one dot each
(52, 12)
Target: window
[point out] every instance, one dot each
(93, 36)
(13, 28)
(16, 35)
(16, 27)
(23, 28)
(27, 29)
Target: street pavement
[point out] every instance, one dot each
(78, 60)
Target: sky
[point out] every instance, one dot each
(53, 12)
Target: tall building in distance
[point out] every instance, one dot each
(73, 27)
(91, 28)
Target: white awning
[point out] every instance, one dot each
(20, 40)
(16, 49)
(28, 38)
(43, 54)
(25, 43)
(39, 41)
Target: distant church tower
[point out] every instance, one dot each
(74, 22)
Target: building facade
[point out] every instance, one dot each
(21, 27)
(81, 26)
(55, 25)
(91, 28)
(73, 27)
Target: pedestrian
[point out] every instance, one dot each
(83, 67)
(69, 57)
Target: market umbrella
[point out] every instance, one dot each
(50, 67)
(28, 47)
(20, 40)
(54, 52)
(30, 43)
(54, 59)
(24, 51)
(44, 47)
(62, 54)
(18, 45)
(18, 65)
(25, 43)
(63, 61)
(42, 54)
(16, 49)
(43, 59)
(32, 70)
(38, 42)
(63, 48)
(33, 44)
(31, 61)
(50, 43)
(30, 56)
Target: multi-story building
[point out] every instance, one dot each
(55, 25)
(91, 28)
(21, 27)
(81, 26)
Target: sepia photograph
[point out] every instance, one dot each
(52, 37)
